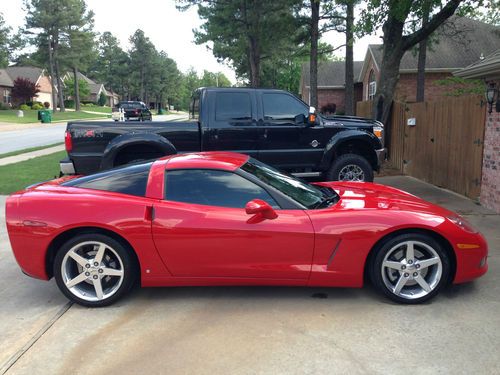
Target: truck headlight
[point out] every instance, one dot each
(378, 130)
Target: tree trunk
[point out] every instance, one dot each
(77, 89)
(58, 78)
(51, 67)
(254, 61)
(422, 55)
(389, 70)
(349, 60)
(313, 59)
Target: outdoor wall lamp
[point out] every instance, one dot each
(491, 93)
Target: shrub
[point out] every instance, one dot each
(24, 90)
(24, 107)
(37, 106)
(102, 99)
(46, 105)
(329, 108)
(69, 103)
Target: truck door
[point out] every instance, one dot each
(288, 142)
(232, 122)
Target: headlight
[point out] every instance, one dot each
(462, 223)
(378, 130)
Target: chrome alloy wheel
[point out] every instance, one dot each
(411, 269)
(92, 271)
(351, 172)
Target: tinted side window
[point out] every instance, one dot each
(194, 110)
(282, 107)
(233, 106)
(130, 180)
(213, 188)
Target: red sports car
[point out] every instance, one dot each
(222, 218)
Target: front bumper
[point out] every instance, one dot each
(381, 156)
(66, 166)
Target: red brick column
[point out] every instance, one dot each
(490, 184)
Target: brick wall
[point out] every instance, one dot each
(44, 84)
(490, 184)
(406, 90)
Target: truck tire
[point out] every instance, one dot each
(350, 167)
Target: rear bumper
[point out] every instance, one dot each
(66, 166)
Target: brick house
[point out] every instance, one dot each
(488, 69)
(459, 42)
(34, 74)
(112, 98)
(331, 84)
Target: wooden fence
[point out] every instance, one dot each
(444, 147)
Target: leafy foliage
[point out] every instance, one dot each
(102, 99)
(461, 86)
(84, 89)
(24, 90)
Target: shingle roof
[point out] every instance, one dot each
(460, 42)
(95, 88)
(29, 72)
(331, 73)
(490, 65)
(5, 79)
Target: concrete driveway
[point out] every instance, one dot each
(236, 330)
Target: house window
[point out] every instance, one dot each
(372, 86)
(6, 96)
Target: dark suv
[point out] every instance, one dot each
(132, 110)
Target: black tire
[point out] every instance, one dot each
(386, 278)
(116, 258)
(343, 162)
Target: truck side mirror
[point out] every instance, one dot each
(300, 119)
(311, 119)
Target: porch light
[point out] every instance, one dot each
(491, 93)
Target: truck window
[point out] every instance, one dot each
(282, 107)
(194, 108)
(233, 106)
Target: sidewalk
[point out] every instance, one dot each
(30, 155)
(9, 126)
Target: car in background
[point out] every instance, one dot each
(222, 218)
(132, 110)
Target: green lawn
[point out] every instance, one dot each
(17, 176)
(19, 152)
(31, 116)
(106, 110)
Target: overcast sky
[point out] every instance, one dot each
(169, 29)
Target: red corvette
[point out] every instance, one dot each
(226, 219)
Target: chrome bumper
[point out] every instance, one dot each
(381, 156)
(66, 166)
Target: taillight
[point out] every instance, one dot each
(68, 142)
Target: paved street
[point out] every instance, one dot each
(42, 135)
(252, 330)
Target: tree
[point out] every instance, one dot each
(393, 16)
(143, 56)
(79, 39)
(245, 32)
(82, 87)
(209, 79)
(102, 99)
(5, 40)
(24, 90)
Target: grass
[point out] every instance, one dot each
(31, 116)
(106, 110)
(19, 152)
(17, 176)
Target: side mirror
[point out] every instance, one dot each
(300, 119)
(311, 119)
(261, 210)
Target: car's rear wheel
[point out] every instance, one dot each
(350, 167)
(94, 270)
(410, 268)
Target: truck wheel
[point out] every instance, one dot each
(350, 167)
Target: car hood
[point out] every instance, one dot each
(369, 196)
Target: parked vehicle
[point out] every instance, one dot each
(132, 110)
(222, 218)
(270, 125)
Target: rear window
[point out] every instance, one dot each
(131, 180)
(130, 105)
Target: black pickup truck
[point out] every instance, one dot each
(273, 126)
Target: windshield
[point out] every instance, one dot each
(307, 195)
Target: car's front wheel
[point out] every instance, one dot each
(94, 270)
(410, 268)
(350, 167)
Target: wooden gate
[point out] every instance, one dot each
(444, 147)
